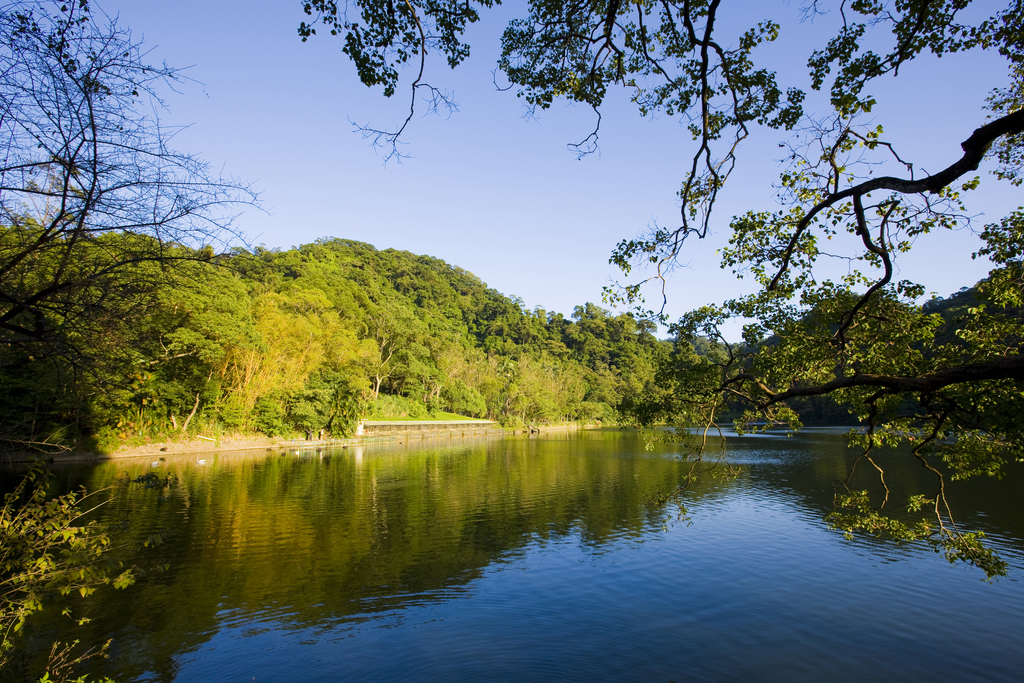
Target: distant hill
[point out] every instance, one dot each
(307, 341)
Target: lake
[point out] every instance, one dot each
(543, 558)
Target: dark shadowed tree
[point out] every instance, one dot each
(83, 159)
(89, 186)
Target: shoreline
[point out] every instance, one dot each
(256, 442)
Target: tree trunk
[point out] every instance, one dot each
(184, 427)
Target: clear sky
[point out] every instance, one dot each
(487, 189)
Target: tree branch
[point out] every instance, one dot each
(975, 147)
(1011, 368)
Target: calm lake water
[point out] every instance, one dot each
(543, 559)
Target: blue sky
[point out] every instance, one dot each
(491, 191)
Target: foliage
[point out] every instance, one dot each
(46, 551)
(943, 378)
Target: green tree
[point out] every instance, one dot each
(89, 191)
(948, 389)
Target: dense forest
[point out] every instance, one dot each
(312, 339)
(304, 340)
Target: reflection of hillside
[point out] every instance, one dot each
(288, 544)
(306, 539)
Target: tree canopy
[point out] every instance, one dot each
(94, 203)
(948, 388)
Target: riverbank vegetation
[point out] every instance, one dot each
(308, 341)
(126, 315)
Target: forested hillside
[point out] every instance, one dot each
(698, 364)
(305, 340)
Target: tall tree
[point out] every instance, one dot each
(89, 187)
(80, 161)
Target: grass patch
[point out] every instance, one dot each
(435, 416)
(441, 415)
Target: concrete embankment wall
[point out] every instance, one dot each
(428, 428)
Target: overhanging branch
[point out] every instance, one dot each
(975, 147)
(1002, 368)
